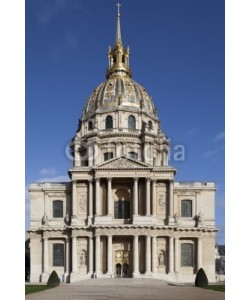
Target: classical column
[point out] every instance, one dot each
(124, 150)
(171, 198)
(74, 199)
(171, 254)
(118, 150)
(90, 255)
(135, 256)
(154, 254)
(67, 258)
(135, 197)
(154, 197)
(151, 153)
(167, 158)
(95, 153)
(148, 197)
(45, 255)
(97, 196)
(46, 202)
(97, 254)
(164, 157)
(148, 254)
(110, 210)
(74, 254)
(90, 154)
(90, 199)
(177, 255)
(199, 253)
(110, 255)
(145, 148)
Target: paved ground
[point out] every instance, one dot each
(121, 289)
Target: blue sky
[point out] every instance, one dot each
(177, 54)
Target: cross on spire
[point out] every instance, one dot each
(118, 8)
(118, 26)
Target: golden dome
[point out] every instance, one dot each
(119, 92)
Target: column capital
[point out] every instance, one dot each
(97, 178)
(45, 238)
(148, 179)
(109, 179)
(90, 180)
(154, 180)
(136, 178)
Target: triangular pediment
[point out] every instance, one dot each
(123, 163)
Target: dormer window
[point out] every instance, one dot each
(109, 122)
(90, 125)
(133, 155)
(131, 122)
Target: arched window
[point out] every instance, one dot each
(187, 255)
(108, 155)
(186, 208)
(150, 125)
(57, 209)
(109, 122)
(133, 155)
(90, 125)
(131, 122)
(58, 255)
(122, 209)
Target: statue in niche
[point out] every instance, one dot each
(45, 219)
(161, 259)
(83, 258)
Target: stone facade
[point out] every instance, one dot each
(122, 214)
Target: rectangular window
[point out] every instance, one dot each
(187, 255)
(186, 208)
(108, 155)
(122, 209)
(58, 255)
(57, 209)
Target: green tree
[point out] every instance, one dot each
(53, 280)
(201, 279)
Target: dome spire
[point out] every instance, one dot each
(118, 56)
(118, 26)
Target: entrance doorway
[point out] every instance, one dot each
(122, 271)
(122, 264)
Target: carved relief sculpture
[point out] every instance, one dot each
(161, 204)
(82, 204)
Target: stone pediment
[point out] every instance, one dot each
(123, 163)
